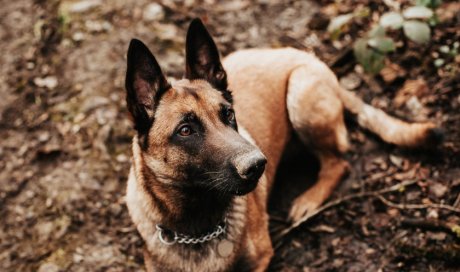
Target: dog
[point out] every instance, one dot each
(205, 157)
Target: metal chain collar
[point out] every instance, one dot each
(186, 239)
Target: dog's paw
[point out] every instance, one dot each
(304, 205)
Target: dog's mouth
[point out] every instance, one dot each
(244, 187)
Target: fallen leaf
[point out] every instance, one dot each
(397, 161)
(391, 72)
(437, 189)
(417, 88)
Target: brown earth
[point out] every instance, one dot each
(65, 137)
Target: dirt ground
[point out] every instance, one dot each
(65, 138)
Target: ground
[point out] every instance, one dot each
(65, 144)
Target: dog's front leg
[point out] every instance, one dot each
(264, 261)
(148, 262)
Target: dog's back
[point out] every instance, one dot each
(276, 90)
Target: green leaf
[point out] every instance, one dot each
(418, 12)
(376, 31)
(336, 24)
(429, 3)
(438, 62)
(456, 229)
(371, 60)
(382, 44)
(444, 49)
(392, 20)
(417, 31)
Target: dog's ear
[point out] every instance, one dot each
(202, 57)
(144, 84)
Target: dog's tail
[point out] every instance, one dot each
(388, 128)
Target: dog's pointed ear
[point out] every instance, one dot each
(202, 57)
(144, 84)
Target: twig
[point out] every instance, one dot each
(457, 202)
(432, 225)
(403, 206)
(377, 194)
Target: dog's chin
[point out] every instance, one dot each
(244, 188)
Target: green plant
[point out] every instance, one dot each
(370, 50)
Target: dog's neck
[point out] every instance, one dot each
(187, 210)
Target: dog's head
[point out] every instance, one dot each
(188, 131)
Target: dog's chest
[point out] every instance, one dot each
(215, 255)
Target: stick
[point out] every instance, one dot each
(376, 194)
(432, 225)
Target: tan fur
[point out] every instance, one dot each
(276, 91)
(279, 89)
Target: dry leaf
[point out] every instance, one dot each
(392, 71)
(417, 88)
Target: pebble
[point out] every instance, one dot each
(97, 26)
(85, 5)
(49, 82)
(94, 102)
(78, 36)
(350, 81)
(48, 267)
(153, 12)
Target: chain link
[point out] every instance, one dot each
(186, 239)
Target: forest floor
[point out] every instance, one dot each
(65, 135)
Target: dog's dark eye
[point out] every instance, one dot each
(230, 116)
(185, 130)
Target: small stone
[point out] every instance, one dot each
(350, 81)
(49, 82)
(122, 158)
(48, 267)
(78, 36)
(30, 65)
(94, 102)
(370, 251)
(44, 230)
(44, 136)
(78, 258)
(83, 6)
(153, 12)
(97, 26)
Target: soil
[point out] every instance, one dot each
(65, 135)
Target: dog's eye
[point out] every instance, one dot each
(185, 130)
(230, 116)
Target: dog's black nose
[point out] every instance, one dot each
(254, 169)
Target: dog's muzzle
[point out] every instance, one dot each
(249, 168)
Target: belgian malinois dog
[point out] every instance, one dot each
(207, 148)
